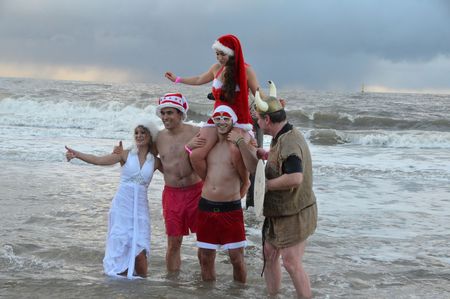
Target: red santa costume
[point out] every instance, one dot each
(230, 45)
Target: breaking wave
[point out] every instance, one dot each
(380, 138)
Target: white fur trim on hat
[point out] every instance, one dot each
(173, 100)
(221, 47)
(149, 125)
(226, 109)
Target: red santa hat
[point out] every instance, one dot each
(230, 45)
(224, 110)
(173, 100)
(225, 44)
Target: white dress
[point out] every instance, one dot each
(129, 218)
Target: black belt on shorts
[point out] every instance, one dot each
(214, 206)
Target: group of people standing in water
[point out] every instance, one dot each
(206, 174)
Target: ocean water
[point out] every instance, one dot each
(381, 176)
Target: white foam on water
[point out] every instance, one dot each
(101, 120)
(14, 262)
(381, 138)
(399, 139)
(382, 200)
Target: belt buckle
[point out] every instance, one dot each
(216, 210)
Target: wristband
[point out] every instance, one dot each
(178, 80)
(238, 141)
(188, 149)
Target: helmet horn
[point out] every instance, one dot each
(272, 89)
(260, 104)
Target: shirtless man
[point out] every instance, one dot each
(183, 186)
(220, 216)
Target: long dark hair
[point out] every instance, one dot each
(229, 84)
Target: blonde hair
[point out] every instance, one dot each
(151, 127)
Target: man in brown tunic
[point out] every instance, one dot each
(289, 203)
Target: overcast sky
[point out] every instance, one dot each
(387, 45)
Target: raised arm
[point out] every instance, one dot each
(109, 159)
(119, 150)
(204, 78)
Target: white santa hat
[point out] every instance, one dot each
(173, 100)
(147, 123)
(151, 126)
(224, 110)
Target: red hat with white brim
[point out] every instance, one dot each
(173, 100)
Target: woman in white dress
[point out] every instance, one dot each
(128, 239)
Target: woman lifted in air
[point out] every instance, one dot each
(232, 78)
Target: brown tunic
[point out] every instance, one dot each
(291, 215)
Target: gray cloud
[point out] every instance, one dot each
(313, 44)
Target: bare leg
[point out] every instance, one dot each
(272, 273)
(244, 133)
(292, 262)
(173, 254)
(207, 259)
(259, 135)
(141, 264)
(198, 156)
(239, 268)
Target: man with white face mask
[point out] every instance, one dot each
(220, 216)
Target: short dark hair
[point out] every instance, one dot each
(277, 116)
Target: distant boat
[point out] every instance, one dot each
(362, 88)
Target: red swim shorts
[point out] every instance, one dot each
(180, 206)
(220, 225)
